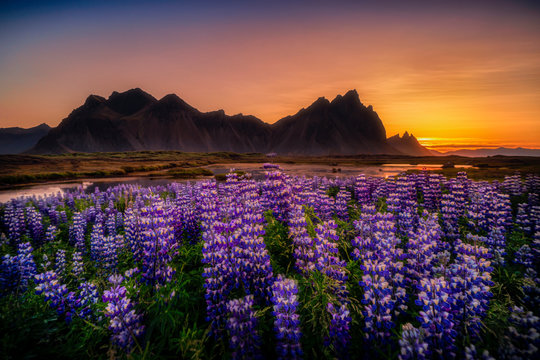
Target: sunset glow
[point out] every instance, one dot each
(463, 75)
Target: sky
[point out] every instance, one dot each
(457, 74)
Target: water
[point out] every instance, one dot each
(255, 169)
(89, 186)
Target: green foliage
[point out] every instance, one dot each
(314, 295)
(279, 245)
(30, 328)
(332, 191)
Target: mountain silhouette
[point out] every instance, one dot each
(134, 120)
(409, 145)
(15, 140)
(500, 151)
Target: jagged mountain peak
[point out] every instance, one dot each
(174, 102)
(408, 144)
(130, 101)
(93, 101)
(350, 98)
(320, 102)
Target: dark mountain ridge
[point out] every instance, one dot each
(408, 144)
(15, 140)
(134, 120)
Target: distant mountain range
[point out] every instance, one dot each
(135, 120)
(492, 152)
(15, 140)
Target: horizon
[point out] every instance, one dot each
(454, 75)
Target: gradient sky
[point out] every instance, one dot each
(453, 73)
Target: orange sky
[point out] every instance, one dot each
(456, 77)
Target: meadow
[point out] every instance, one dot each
(416, 266)
(24, 170)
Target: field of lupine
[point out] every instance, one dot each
(413, 267)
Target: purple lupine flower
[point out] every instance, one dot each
(286, 319)
(362, 190)
(304, 251)
(15, 221)
(323, 205)
(524, 256)
(450, 215)
(55, 293)
(9, 276)
(522, 339)
(110, 224)
(34, 225)
(252, 263)
(242, 328)
(412, 344)
(45, 263)
(85, 300)
(513, 184)
(218, 274)
(77, 264)
(26, 267)
(435, 316)
(471, 354)
(341, 204)
(159, 245)
(339, 332)
(431, 191)
(470, 284)
(133, 233)
(125, 322)
(276, 194)
(378, 300)
(77, 232)
(421, 249)
(51, 233)
(104, 249)
(327, 254)
(60, 262)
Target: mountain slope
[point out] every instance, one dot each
(15, 140)
(408, 145)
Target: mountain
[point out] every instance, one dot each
(15, 140)
(343, 126)
(135, 120)
(409, 145)
(493, 152)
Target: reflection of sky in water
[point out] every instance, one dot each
(255, 169)
(39, 190)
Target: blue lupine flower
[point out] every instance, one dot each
(286, 319)
(125, 322)
(242, 328)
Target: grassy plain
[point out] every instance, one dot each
(18, 170)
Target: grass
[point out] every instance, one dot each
(28, 169)
(189, 173)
